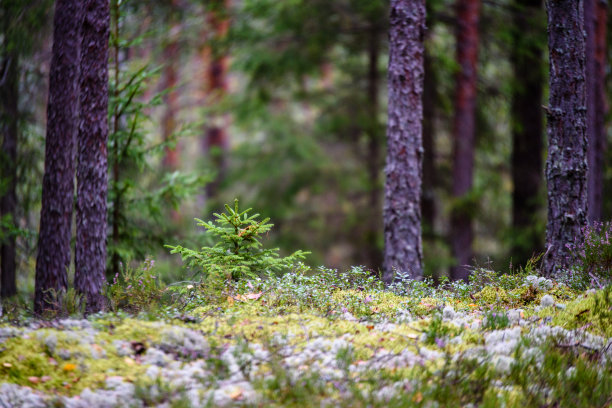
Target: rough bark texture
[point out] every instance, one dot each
(9, 92)
(402, 207)
(595, 19)
(464, 131)
(527, 127)
(566, 166)
(216, 142)
(53, 257)
(92, 169)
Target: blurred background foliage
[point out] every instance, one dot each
(281, 104)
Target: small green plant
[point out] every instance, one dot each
(495, 320)
(593, 256)
(135, 289)
(64, 303)
(238, 253)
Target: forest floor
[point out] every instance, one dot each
(325, 340)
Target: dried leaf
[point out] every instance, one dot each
(236, 394)
(69, 367)
(34, 380)
(7, 365)
(254, 296)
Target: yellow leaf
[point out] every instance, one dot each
(230, 300)
(129, 361)
(69, 367)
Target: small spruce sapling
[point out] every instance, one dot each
(238, 252)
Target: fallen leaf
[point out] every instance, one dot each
(418, 397)
(129, 361)
(7, 365)
(34, 380)
(45, 378)
(69, 367)
(230, 300)
(413, 336)
(370, 326)
(254, 296)
(236, 394)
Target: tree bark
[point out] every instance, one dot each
(566, 166)
(527, 127)
(464, 131)
(215, 141)
(595, 18)
(9, 94)
(53, 259)
(402, 207)
(92, 169)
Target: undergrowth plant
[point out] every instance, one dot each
(238, 253)
(135, 289)
(592, 256)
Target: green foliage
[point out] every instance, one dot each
(64, 303)
(592, 254)
(495, 320)
(140, 195)
(238, 254)
(135, 289)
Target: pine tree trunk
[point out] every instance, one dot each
(595, 18)
(527, 126)
(9, 93)
(216, 143)
(92, 170)
(464, 131)
(53, 259)
(402, 207)
(566, 166)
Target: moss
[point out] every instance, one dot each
(493, 295)
(584, 312)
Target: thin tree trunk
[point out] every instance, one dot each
(527, 127)
(171, 155)
(216, 143)
(92, 170)
(566, 166)
(9, 94)
(53, 258)
(464, 131)
(402, 207)
(373, 254)
(595, 19)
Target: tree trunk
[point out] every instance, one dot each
(402, 207)
(53, 259)
(216, 142)
(566, 166)
(171, 155)
(9, 93)
(464, 131)
(527, 127)
(92, 170)
(595, 27)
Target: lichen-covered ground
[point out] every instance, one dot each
(325, 340)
